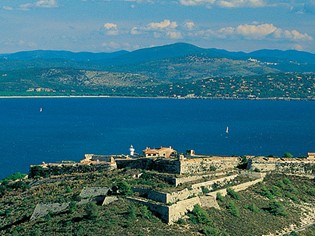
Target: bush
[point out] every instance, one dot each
(204, 190)
(14, 177)
(286, 181)
(287, 155)
(276, 191)
(124, 188)
(266, 193)
(180, 221)
(233, 194)
(277, 209)
(233, 209)
(200, 216)
(91, 211)
(210, 231)
(253, 208)
(145, 212)
(72, 206)
(220, 197)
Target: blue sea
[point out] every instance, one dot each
(67, 128)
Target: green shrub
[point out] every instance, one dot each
(180, 221)
(276, 191)
(210, 231)
(124, 188)
(253, 208)
(200, 216)
(233, 209)
(277, 209)
(14, 176)
(311, 191)
(287, 155)
(204, 190)
(213, 168)
(266, 193)
(233, 194)
(72, 206)
(145, 212)
(280, 184)
(292, 196)
(286, 181)
(91, 211)
(220, 197)
(68, 189)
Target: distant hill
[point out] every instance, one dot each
(176, 70)
(290, 60)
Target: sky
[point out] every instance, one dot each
(113, 25)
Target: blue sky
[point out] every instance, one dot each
(111, 25)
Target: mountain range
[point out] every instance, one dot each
(289, 61)
(171, 70)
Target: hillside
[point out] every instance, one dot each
(263, 209)
(176, 70)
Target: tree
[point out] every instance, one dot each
(91, 211)
(124, 188)
(277, 209)
(287, 155)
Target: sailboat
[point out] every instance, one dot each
(40, 109)
(227, 130)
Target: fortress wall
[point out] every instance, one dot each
(161, 165)
(206, 165)
(182, 180)
(140, 163)
(290, 166)
(171, 198)
(236, 188)
(47, 170)
(167, 166)
(176, 211)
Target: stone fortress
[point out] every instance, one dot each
(190, 174)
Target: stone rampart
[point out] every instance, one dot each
(47, 170)
(236, 188)
(171, 198)
(186, 179)
(208, 165)
(283, 165)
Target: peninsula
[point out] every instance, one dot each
(188, 193)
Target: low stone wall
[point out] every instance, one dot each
(47, 170)
(187, 179)
(283, 165)
(171, 198)
(208, 165)
(161, 165)
(236, 188)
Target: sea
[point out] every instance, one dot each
(36, 130)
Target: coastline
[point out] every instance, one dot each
(158, 97)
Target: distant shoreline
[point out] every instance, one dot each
(159, 97)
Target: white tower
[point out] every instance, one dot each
(132, 151)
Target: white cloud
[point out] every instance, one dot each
(224, 3)
(163, 25)
(263, 31)
(190, 25)
(293, 35)
(111, 28)
(255, 31)
(135, 31)
(7, 8)
(174, 35)
(46, 3)
(39, 4)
